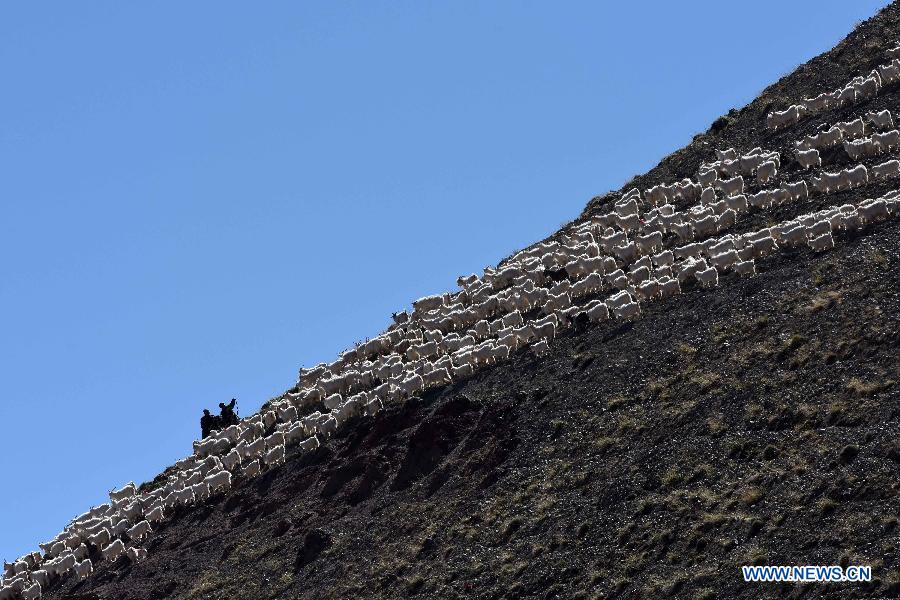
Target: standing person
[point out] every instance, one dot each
(207, 424)
(228, 415)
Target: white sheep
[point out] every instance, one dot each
(736, 203)
(194, 475)
(749, 162)
(617, 279)
(889, 73)
(412, 385)
(669, 286)
(591, 284)
(626, 208)
(822, 242)
(84, 568)
(136, 554)
(818, 228)
(873, 210)
(179, 496)
(219, 481)
(761, 199)
(649, 243)
(597, 311)
(639, 274)
(545, 328)
(200, 491)
(853, 129)
(540, 348)
(99, 539)
(730, 168)
(462, 371)
(628, 223)
(708, 196)
(119, 528)
(275, 456)
(727, 154)
(437, 377)
(292, 433)
(817, 104)
(826, 139)
(808, 158)
(155, 514)
(715, 246)
(140, 531)
(276, 439)
(857, 149)
(665, 258)
(886, 170)
(628, 310)
(90, 528)
(846, 95)
(114, 550)
(766, 171)
(61, 565)
(232, 433)
(286, 414)
(724, 260)
(31, 592)
(708, 277)
(791, 234)
(232, 460)
(211, 463)
(707, 177)
(255, 449)
(20, 566)
(647, 290)
(828, 182)
(42, 577)
(706, 226)
(254, 430)
(466, 281)
(731, 187)
(655, 195)
(80, 551)
(251, 469)
(8, 591)
(269, 418)
(126, 492)
(797, 191)
(428, 303)
(857, 176)
(513, 319)
(881, 120)
(726, 219)
(784, 118)
(311, 443)
(887, 141)
(868, 87)
(745, 268)
(618, 299)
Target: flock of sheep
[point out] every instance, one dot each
(642, 250)
(857, 90)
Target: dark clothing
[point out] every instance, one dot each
(208, 423)
(228, 415)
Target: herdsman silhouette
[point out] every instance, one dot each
(228, 416)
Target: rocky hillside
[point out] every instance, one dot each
(755, 422)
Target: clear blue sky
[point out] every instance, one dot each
(197, 198)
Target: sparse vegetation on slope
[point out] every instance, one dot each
(753, 423)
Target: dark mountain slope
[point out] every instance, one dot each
(857, 54)
(756, 422)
